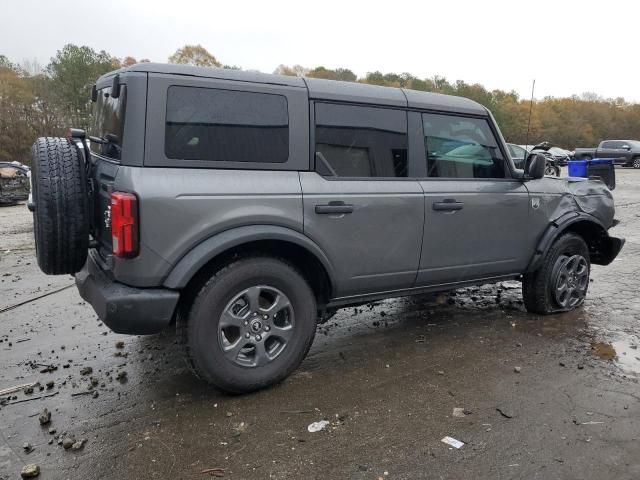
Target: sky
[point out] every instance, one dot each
(568, 47)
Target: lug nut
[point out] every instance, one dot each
(246, 335)
(255, 313)
(258, 337)
(265, 316)
(246, 323)
(267, 328)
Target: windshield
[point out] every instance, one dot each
(108, 123)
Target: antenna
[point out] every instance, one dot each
(533, 88)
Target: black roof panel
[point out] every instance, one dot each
(321, 89)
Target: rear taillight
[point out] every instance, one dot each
(124, 224)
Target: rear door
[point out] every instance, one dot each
(362, 204)
(475, 214)
(107, 131)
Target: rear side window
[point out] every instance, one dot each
(226, 126)
(460, 147)
(108, 123)
(353, 141)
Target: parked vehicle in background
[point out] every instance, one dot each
(519, 154)
(560, 155)
(248, 207)
(14, 183)
(622, 152)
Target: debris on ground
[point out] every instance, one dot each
(79, 444)
(122, 376)
(461, 412)
(86, 371)
(120, 344)
(45, 417)
(30, 471)
(517, 369)
(68, 442)
(452, 442)
(214, 472)
(27, 447)
(505, 412)
(317, 426)
(17, 388)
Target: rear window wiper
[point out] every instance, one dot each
(109, 138)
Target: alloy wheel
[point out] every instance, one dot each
(571, 274)
(256, 326)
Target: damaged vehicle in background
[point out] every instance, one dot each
(248, 207)
(519, 153)
(14, 183)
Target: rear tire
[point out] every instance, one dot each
(251, 324)
(560, 284)
(636, 162)
(60, 218)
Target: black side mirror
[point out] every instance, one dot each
(536, 164)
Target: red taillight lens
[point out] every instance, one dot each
(124, 224)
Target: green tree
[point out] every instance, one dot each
(72, 71)
(16, 111)
(195, 55)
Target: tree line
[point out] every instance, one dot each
(44, 101)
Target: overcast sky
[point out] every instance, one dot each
(568, 47)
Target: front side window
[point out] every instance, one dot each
(609, 144)
(108, 123)
(226, 126)
(354, 141)
(459, 147)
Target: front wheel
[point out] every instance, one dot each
(560, 284)
(551, 171)
(636, 162)
(251, 324)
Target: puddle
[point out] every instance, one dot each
(626, 354)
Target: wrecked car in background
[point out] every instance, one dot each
(247, 207)
(14, 183)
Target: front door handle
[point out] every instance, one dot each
(448, 205)
(334, 208)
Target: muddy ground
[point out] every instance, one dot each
(387, 376)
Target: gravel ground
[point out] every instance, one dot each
(386, 376)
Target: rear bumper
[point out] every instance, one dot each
(124, 309)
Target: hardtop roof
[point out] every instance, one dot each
(320, 89)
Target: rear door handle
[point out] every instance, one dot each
(448, 205)
(334, 208)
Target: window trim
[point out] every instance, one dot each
(312, 137)
(421, 153)
(158, 86)
(286, 103)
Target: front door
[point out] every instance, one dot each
(475, 214)
(361, 205)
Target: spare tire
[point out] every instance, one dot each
(60, 213)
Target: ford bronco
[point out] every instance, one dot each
(246, 207)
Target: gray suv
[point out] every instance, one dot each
(246, 207)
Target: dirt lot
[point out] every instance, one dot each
(387, 376)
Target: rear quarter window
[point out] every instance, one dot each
(226, 125)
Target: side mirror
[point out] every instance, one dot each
(536, 164)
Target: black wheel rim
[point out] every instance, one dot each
(571, 274)
(256, 326)
(636, 163)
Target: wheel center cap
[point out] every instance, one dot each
(256, 326)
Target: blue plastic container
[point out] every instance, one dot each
(578, 168)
